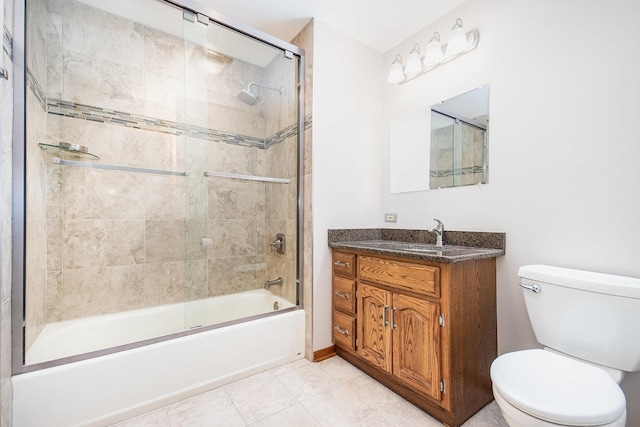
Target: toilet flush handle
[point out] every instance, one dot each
(535, 288)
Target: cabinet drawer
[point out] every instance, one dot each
(344, 294)
(344, 263)
(344, 330)
(419, 278)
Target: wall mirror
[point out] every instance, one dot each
(441, 146)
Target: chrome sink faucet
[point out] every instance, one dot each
(438, 231)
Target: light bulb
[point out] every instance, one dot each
(433, 55)
(414, 64)
(396, 75)
(457, 39)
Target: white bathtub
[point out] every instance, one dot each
(87, 334)
(117, 386)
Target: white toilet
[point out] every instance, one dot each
(588, 323)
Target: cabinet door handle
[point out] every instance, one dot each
(393, 323)
(342, 264)
(341, 331)
(384, 316)
(344, 295)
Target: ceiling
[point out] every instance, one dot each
(379, 24)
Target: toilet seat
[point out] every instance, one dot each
(557, 389)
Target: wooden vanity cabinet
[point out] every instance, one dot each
(426, 330)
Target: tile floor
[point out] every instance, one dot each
(331, 393)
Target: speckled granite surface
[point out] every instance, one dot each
(458, 245)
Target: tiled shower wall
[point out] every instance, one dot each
(444, 150)
(107, 241)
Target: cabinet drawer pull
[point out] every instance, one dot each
(344, 295)
(393, 322)
(341, 331)
(342, 264)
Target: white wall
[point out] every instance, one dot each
(347, 141)
(564, 146)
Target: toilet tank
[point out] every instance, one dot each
(591, 316)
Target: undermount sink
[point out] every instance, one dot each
(416, 247)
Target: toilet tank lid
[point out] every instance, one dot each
(586, 280)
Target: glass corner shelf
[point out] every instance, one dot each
(67, 148)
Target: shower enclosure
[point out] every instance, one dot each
(162, 172)
(458, 150)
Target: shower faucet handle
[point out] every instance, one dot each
(278, 244)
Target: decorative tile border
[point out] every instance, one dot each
(7, 42)
(286, 133)
(470, 170)
(108, 116)
(35, 87)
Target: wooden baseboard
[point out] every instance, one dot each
(323, 354)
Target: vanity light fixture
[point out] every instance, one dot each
(396, 75)
(414, 63)
(459, 44)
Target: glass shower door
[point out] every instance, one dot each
(105, 176)
(161, 175)
(458, 152)
(241, 157)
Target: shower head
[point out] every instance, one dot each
(250, 98)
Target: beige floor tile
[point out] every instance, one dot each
(331, 393)
(307, 381)
(340, 369)
(400, 412)
(157, 418)
(213, 408)
(259, 396)
(290, 366)
(372, 392)
(337, 406)
(489, 416)
(295, 415)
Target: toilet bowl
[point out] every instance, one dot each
(588, 325)
(539, 388)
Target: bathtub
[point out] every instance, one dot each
(77, 336)
(113, 387)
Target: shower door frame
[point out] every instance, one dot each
(18, 306)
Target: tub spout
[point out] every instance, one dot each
(270, 283)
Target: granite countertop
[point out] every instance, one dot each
(420, 244)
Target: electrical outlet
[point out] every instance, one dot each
(390, 217)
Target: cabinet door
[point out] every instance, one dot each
(416, 343)
(374, 334)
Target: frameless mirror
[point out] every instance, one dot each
(442, 146)
(409, 152)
